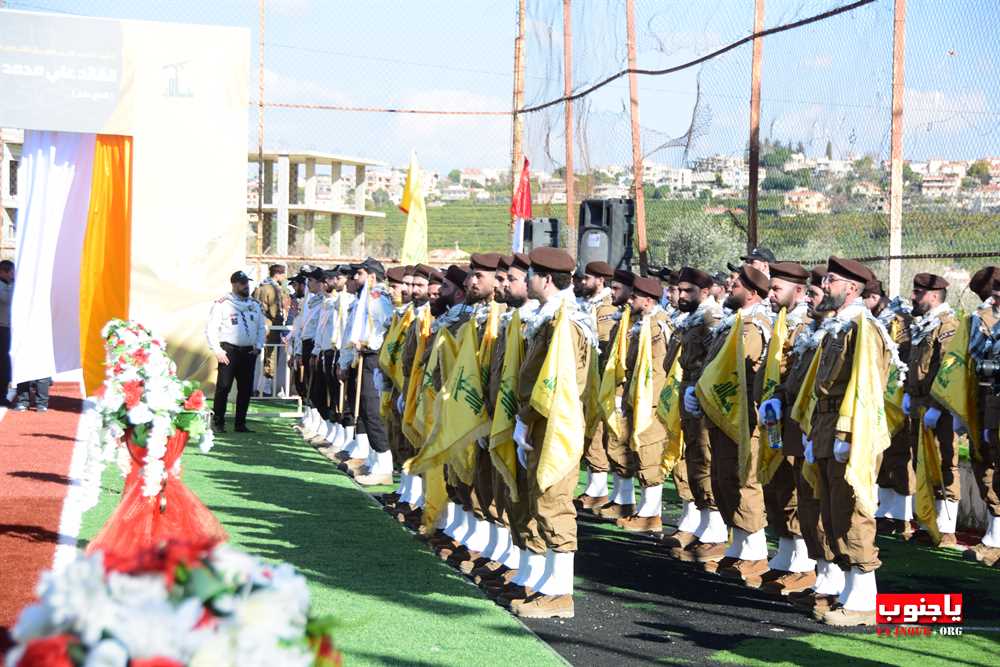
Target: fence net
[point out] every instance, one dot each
(825, 124)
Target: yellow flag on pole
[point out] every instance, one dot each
(415, 382)
(490, 330)
(769, 459)
(389, 356)
(802, 414)
(614, 375)
(722, 393)
(556, 396)
(928, 478)
(642, 383)
(955, 385)
(668, 410)
(412, 204)
(862, 414)
(503, 452)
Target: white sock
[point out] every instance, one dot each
(382, 463)
(783, 557)
(652, 501)
(416, 491)
(992, 536)
(597, 486)
(362, 449)
(800, 562)
(456, 518)
(738, 543)
(860, 591)
(523, 567)
(512, 557)
(492, 541)
(403, 488)
(558, 579)
(754, 546)
(947, 515)
(616, 485)
(690, 517)
(883, 501)
(445, 519)
(536, 569)
(829, 578)
(716, 531)
(479, 538)
(626, 492)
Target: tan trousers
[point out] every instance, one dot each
(483, 505)
(647, 464)
(985, 470)
(523, 526)
(851, 532)
(809, 513)
(742, 506)
(698, 456)
(596, 453)
(552, 509)
(944, 436)
(680, 474)
(781, 502)
(897, 471)
(620, 455)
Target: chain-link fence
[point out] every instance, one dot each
(350, 90)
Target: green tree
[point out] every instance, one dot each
(911, 177)
(454, 176)
(778, 181)
(380, 197)
(980, 170)
(865, 167)
(718, 180)
(829, 149)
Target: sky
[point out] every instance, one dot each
(828, 82)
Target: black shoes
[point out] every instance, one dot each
(242, 428)
(218, 428)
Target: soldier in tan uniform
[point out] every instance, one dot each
(850, 530)
(933, 326)
(271, 296)
(700, 521)
(551, 593)
(646, 447)
(741, 504)
(597, 300)
(984, 352)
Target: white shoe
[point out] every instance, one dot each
(860, 591)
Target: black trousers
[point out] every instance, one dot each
(371, 400)
(307, 352)
(5, 368)
(332, 384)
(317, 387)
(240, 368)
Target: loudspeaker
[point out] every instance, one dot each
(541, 232)
(606, 228)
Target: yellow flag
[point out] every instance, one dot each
(722, 393)
(862, 414)
(668, 410)
(928, 478)
(893, 400)
(392, 347)
(415, 237)
(955, 385)
(556, 396)
(642, 383)
(435, 497)
(769, 459)
(592, 403)
(503, 452)
(802, 414)
(410, 432)
(490, 330)
(614, 375)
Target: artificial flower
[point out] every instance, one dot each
(196, 401)
(47, 652)
(107, 653)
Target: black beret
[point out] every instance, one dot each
(408, 270)
(519, 260)
(981, 283)
(484, 261)
(316, 274)
(551, 259)
(733, 268)
(331, 273)
(395, 274)
(689, 274)
(423, 271)
(456, 274)
(239, 277)
(600, 269)
(647, 286)
(929, 281)
(761, 254)
(579, 273)
(873, 286)
(817, 274)
(755, 280)
(624, 277)
(790, 271)
(436, 277)
(720, 278)
(504, 262)
(297, 279)
(850, 269)
(372, 265)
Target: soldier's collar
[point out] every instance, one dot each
(601, 295)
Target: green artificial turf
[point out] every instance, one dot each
(395, 602)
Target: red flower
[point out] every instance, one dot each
(155, 662)
(133, 393)
(207, 620)
(119, 368)
(196, 401)
(48, 652)
(326, 654)
(140, 357)
(163, 559)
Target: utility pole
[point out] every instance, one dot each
(896, 165)
(518, 122)
(637, 171)
(758, 47)
(567, 91)
(260, 137)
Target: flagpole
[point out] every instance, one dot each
(518, 122)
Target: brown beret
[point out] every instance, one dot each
(395, 274)
(850, 269)
(436, 277)
(504, 262)
(600, 270)
(624, 277)
(790, 271)
(755, 280)
(873, 286)
(929, 281)
(817, 274)
(487, 261)
(519, 260)
(647, 286)
(551, 259)
(456, 274)
(981, 283)
(689, 274)
(409, 269)
(423, 271)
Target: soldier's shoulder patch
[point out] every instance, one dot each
(221, 300)
(607, 317)
(945, 335)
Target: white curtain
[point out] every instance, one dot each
(51, 224)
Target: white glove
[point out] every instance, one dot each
(931, 417)
(841, 450)
(522, 455)
(521, 434)
(691, 402)
(808, 445)
(484, 443)
(957, 426)
(618, 403)
(906, 404)
(400, 404)
(775, 404)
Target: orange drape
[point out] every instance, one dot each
(105, 265)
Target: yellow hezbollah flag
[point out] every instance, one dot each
(592, 405)
(722, 392)
(642, 383)
(955, 385)
(415, 237)
(490, 330)
(503, 452)
(862, 414)
(429, 404)
(928, 478)
(668, 410)
(463, 417)
(893, 400)
(769, 459)
(614, 375)
(416, 380)
(392, 347)
(556, 396)
(802, 414)
(435, 497)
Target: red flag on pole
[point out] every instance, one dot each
(520, 206)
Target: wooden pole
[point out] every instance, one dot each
(260, 135)
(637, 171)
(567, 91)
(896, 166)
(758, 46)
(518, 124)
